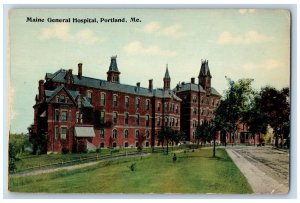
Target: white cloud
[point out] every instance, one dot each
(249, 37)
(245, 11)
(173, 31)
(136, 48)
(62, 32)
(150, 27)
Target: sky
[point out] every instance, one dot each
(238, 43)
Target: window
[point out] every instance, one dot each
(136, 144)
(194, 99)
(176, 123)
(64, 115)
(102, 117)
(158, 107)
(137, 103)
(56, 133)
(207, 100)
(194, 111)
(147, 120)
(115, 117)
(137, 134)
(158, 121)
(147, 104)
(114, 145)
(172, 122)
(126, 144)
(147, 134)
(89, 94)
(81, 120)
(77, 117)
(202, 100)
(166, 121)
(115, 101)
(147, 144)
(176, 109)
(166, 107)
(102, 145)
(56, 115)
(137, 119)
(212, 102)
(126, 134)
(63, 134)
(127, 102)
(114, 135)
(102, 99)
(202, 112)
(62, 98)
(126, 118)
(194, 123)
(101, 133)
(194, 135)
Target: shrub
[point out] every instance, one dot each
(65, 150)
(132, 167)
(12, 158)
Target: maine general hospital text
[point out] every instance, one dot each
(81, 20)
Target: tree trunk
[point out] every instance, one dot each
(214, 150)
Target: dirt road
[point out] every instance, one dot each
(266, 169)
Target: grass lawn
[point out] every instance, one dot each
(193, 172)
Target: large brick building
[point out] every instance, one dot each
(74, 110)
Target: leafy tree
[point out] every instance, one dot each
(235, 104)
(12, 158)
(166, 134)
(276, 109)
(20, 141)
(39, 143)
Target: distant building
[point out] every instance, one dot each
(199, 101)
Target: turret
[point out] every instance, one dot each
(113, 72)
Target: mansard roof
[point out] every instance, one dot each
(59, 76)
(113, 64)
(195, 87)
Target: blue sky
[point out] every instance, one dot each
(245, 43)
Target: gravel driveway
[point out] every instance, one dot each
(266, 169)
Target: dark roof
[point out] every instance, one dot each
(103, 84)
(204, 71)
(197, 88)
(167, 75)
(113, 64)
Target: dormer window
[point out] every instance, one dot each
(62, 99)
(89, 94)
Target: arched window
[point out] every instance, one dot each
(137, 134)
(126, 134)
(114, 135)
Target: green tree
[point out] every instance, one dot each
(165, 135)
(39, 143)
(276, 108)
(12, 158)
(235, 104)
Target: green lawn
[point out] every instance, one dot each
(193, 172)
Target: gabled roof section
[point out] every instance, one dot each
(52, 94)
(197, 88)
(113, 67)
(204, 71)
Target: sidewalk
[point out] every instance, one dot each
(260, 182)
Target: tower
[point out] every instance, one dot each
(204, 75)
(167, 79)
(113, 72)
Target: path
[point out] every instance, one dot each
(264, 167)
(41, 171)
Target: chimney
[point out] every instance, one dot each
(151, 84)
(193, 80)
(79, 70)
(41, 90)
(70, 71)
(138, 84)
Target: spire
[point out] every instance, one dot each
(113, 64)
(167, 79)
(167, 72)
